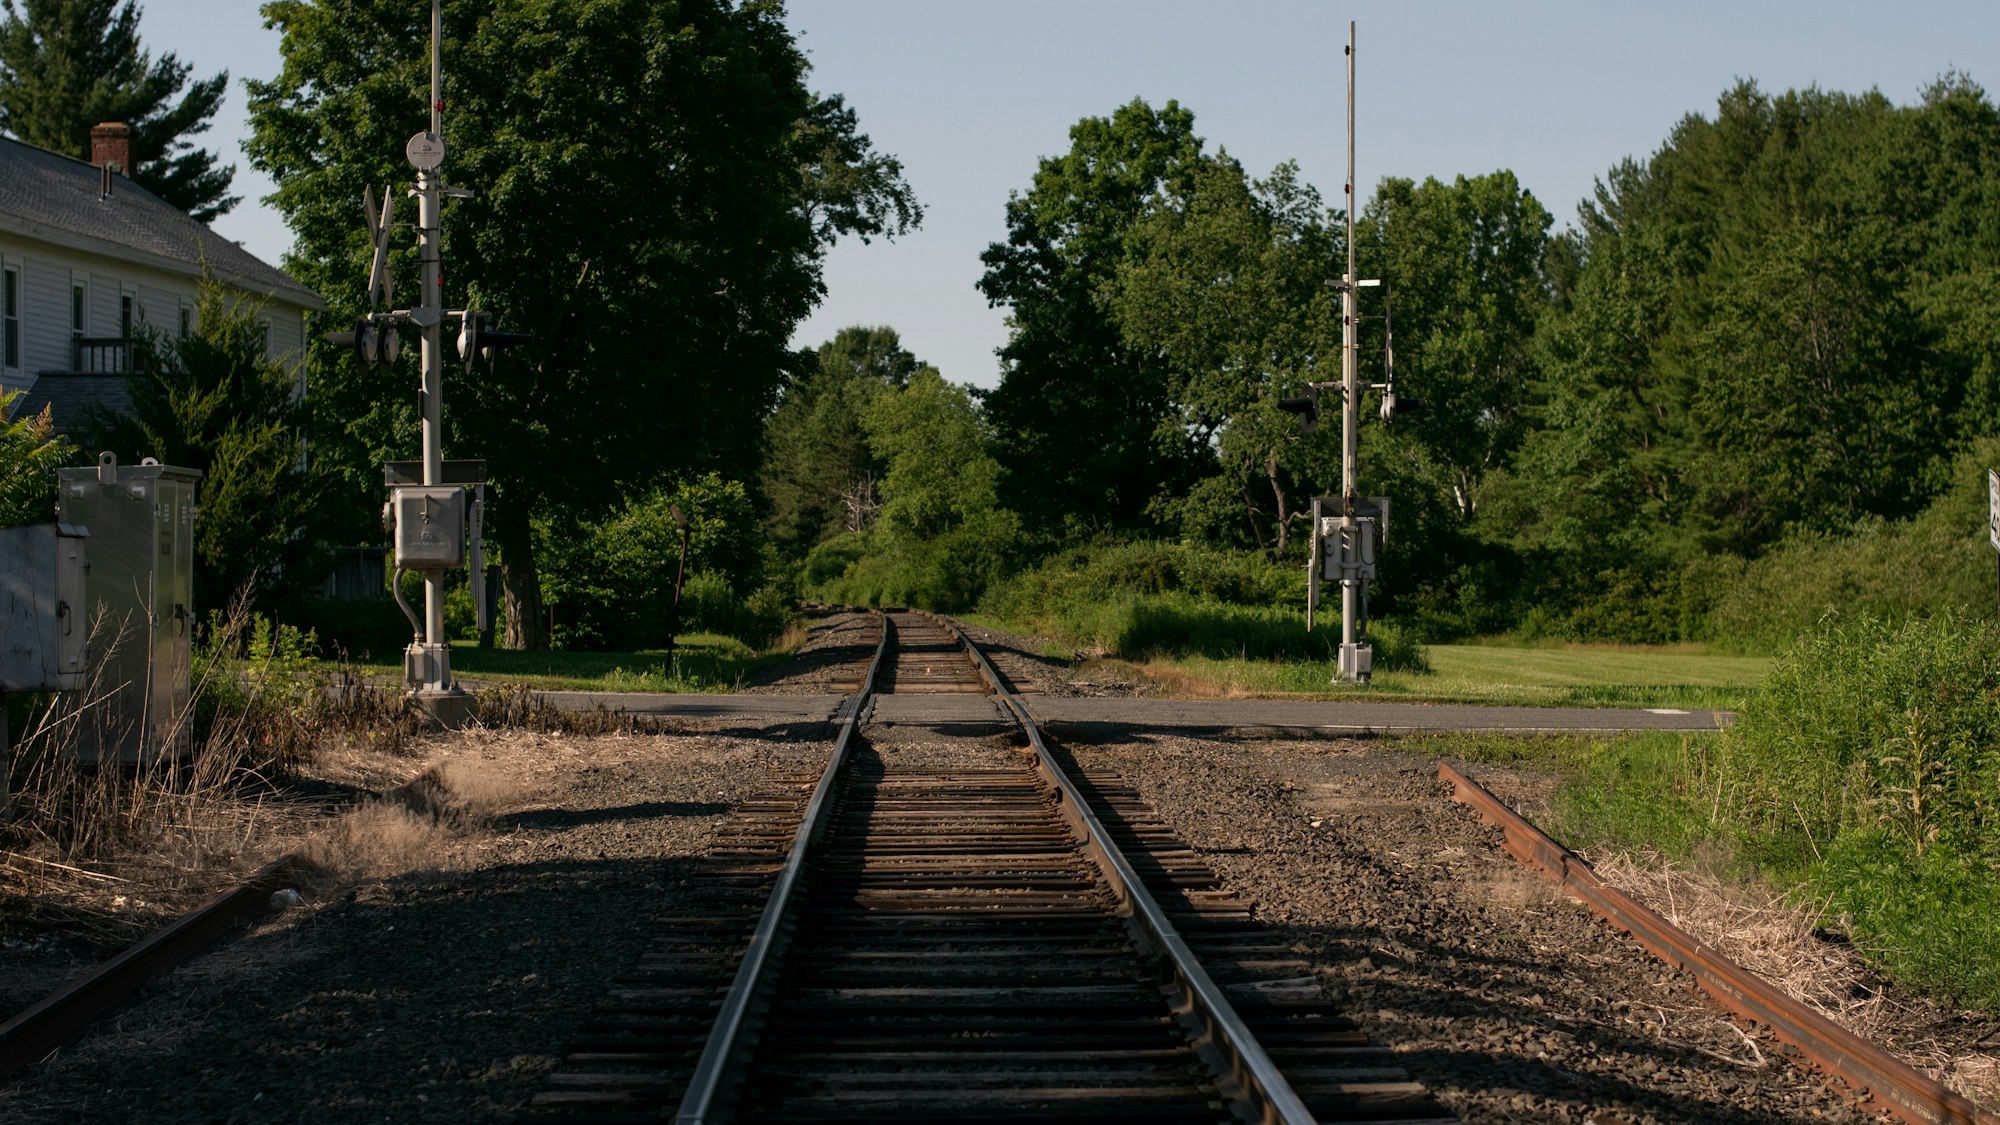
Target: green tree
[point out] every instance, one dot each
(1084, 423)
(610, 582)
(656, 190)
(1815, 395)
(1774, 323)
(1463, 268)
(819, 475)
(30, 454)
(1224, 283)
(66, 65)
(214, 400)
(943, 536)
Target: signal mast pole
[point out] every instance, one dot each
(433, 527)
(430, 315)
(1350, 410)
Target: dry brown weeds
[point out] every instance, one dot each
(1780, 939)
(407, 828)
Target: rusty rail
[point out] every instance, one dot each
(1256, 1087)
(1862, 1065)
(718, 1071)
(56, 1019)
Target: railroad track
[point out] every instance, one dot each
(967, 929)
(968, 932)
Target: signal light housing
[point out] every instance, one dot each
(373, 340)
(1306, 406)
(1395, 406)
(475, 338)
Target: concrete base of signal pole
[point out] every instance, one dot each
(427, 674)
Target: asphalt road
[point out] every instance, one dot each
(1090, 715)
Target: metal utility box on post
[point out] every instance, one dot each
(42, 619)
(1343, 556)
(429, 526)
(139, 590)
(41, 627)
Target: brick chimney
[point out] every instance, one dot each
(111, 146)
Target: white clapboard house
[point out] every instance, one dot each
(87, 257)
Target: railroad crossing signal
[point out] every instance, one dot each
(1306, 406)
(476, 338)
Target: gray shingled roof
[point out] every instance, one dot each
(39, 188)
(69, 398)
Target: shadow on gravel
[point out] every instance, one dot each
(806, 665)
(1493, 1009)
(554, 819)
(429, 997)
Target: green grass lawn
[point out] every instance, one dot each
(701, 662)
(1567, 676)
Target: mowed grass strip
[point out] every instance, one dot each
(701, 662)
(1505, 675)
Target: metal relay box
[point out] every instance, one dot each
(138, 599)
(42, 624)
(1350, 551)
(429, 526)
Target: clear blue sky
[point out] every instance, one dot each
(971, 95)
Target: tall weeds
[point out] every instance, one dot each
(1866, 771)
(259, 706)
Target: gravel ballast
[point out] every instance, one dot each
(1509, 1001)
(443, 991)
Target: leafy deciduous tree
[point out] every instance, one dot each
(819, 474)
(1083, 421)
(656, 189)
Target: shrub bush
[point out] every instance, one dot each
(1167, 599)
(1870, 761)
(610, 583)
(1936, 562)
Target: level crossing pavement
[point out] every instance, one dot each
(1100, 715)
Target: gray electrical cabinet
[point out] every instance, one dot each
(139, 599)
(42, 629)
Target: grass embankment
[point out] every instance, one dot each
(700, 662)
(1864, 776)
(1211, 623)
(1530, 676)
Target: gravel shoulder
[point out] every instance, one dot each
(1511, 1002)
(440, 983)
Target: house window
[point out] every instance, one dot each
(76, 303)
(125, 315)
(10, 325)
(187, 320)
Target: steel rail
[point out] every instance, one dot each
(1253, 1083)
(46, 1026)
(716, 1073)
(1862, 1065)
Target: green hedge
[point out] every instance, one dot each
(1168, 599)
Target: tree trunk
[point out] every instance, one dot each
(526, 628)
(1284, 516)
